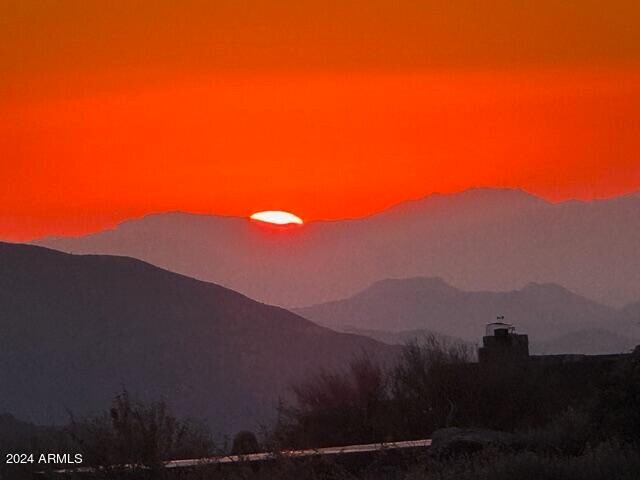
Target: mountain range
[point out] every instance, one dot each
(552, 316)
(76, 329)
(479, 239)
(581, 342)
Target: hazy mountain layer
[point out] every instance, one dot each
(591, 342)
(483, 239)
(544, 311)
(585, 342)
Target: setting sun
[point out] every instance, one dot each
(277, 217)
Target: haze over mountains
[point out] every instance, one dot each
(481, 239)
(76, 329)
(556, 320)
(582, 342)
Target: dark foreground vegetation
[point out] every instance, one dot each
(570, 421)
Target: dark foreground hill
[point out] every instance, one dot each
(481, 239)
(544, 311)
(75, 329)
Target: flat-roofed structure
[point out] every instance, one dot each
(501, 344)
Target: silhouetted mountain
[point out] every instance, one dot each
(544, 311)
(481, 239)
(631, 313)
(75, 329)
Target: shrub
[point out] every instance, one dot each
(569, 433)
(139, 434)
(607, 461)
(430, 384)
(245, 442)
(337, 409)
(617, 411)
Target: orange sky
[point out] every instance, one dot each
(329, 109)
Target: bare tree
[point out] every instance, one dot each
(338, 408)
(138, 434)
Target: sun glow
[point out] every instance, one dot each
(277, 217)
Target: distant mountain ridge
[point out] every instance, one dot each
(480, 239)
(75, 329)
(592, 342)
(581, 342)
(543, 311)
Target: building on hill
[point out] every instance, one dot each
(501, 344)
